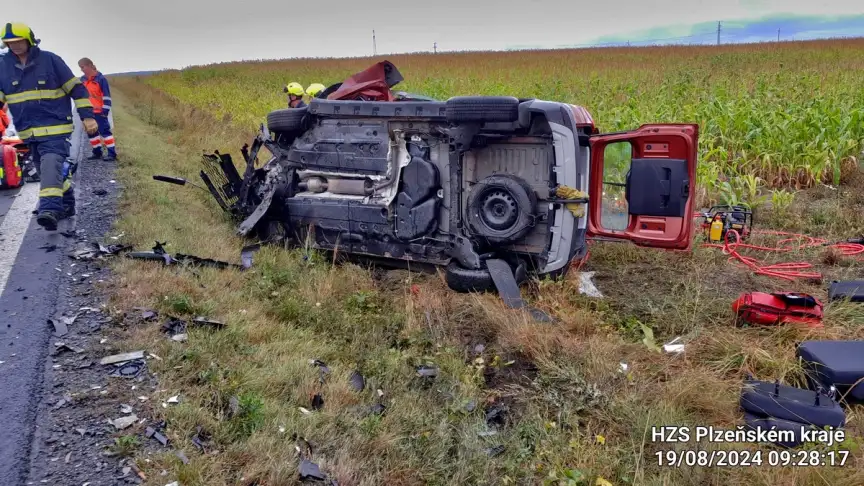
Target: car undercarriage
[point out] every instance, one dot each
(407, 180)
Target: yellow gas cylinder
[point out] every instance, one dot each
(715, 234)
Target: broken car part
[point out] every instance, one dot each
(425, 371)
(504, 280)
(122, 358)
(451, 184)
(97, 250)
(129, 369)
(357, 381)
(150, 432)
(160, 254)
(178, 181)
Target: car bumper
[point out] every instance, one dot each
(567, 238)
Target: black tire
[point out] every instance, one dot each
(287, 120)
(501, 209)
(482, 109)
(463, 280)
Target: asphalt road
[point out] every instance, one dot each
(30, 259)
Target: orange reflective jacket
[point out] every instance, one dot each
(100, 94)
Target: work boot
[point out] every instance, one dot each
(96, 155)
(112, 155)
(48, 220)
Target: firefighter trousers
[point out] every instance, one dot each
(104, 136)
(56, 193)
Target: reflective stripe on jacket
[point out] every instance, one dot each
(38, 95)
(100, 94)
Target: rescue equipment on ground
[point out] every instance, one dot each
(835, 365)
(720, 219)
(790, 242)
(789, 410)
(10, 170)
(778, 308)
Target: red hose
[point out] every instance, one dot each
(787, 271)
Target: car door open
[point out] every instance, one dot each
(642, 185)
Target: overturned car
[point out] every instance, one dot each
(454, 184)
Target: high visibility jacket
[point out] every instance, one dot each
(100, 94)
(39, 94)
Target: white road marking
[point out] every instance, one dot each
(14, 227)
(17, 219)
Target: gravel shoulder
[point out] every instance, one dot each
(74, 442)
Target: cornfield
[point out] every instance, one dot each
(787, 114)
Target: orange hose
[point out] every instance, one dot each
(786, 271)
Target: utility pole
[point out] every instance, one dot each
(374, 46)
(718, 33)
(435, 47)
(778, 35)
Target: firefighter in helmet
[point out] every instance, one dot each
(40, 89)
(295, 95)
(314, 89)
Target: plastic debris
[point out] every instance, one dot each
(59, 348)
(60, 328)
(124, 422)
(155, 434)
(671, 347)
(317, 402)
(586, 285)
(123, 357)
(310, 470)
(427, 371)
(495, 451)
(129, 369)
(357, 381)
(206, 321)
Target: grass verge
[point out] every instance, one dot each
(515, 402)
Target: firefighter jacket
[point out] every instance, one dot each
(38, 95)
(100, 94)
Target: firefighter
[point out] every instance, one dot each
(295, 95)
(40, 89)
(100, 97)
(314, 89)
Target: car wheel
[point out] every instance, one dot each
(482, 109)
(501, 208)
(461, 279)
(287, 120)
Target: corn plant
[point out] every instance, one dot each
(788, 114)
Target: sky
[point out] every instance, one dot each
(134, 35)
